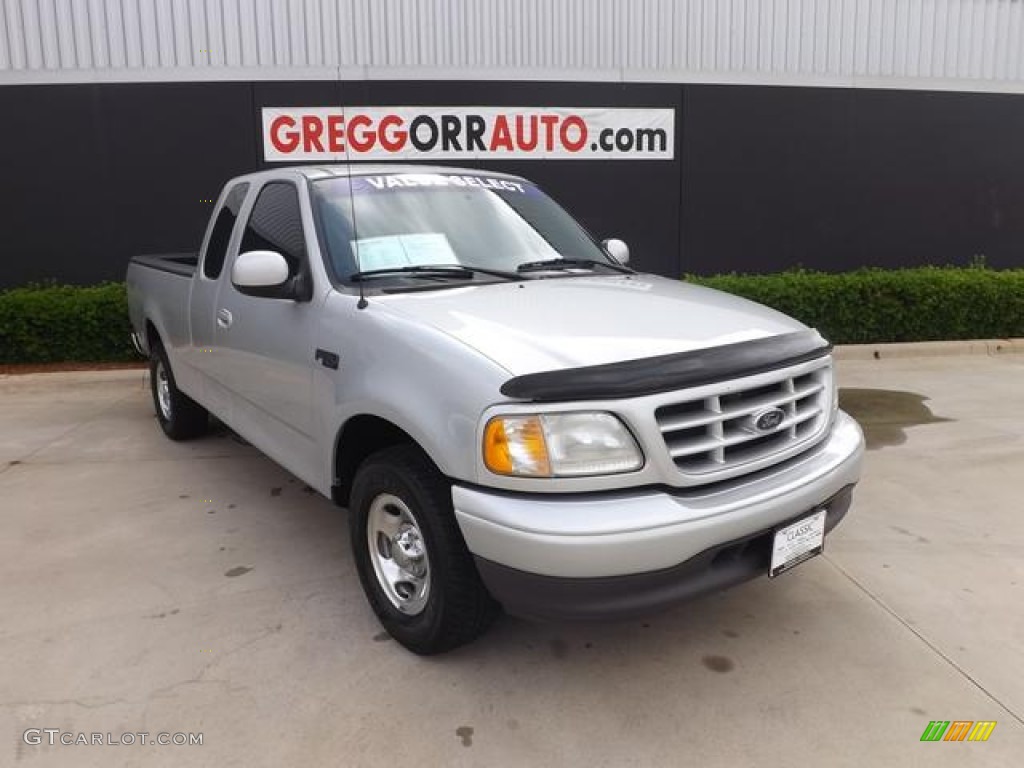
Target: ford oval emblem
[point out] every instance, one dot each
(768, 419)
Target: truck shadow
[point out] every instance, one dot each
(885, 414)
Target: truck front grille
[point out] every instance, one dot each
(713, 434)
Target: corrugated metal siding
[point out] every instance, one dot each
(973, 44)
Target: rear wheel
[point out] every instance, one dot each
(414, 566)
(180, 417)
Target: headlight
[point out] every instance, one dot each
(559, 445)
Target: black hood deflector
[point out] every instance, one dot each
(664, 373)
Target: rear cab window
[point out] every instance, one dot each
(220, 236)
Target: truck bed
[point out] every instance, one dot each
(159, 286)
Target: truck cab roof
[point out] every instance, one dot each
(342, 170)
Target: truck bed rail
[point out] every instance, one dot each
(183, 264)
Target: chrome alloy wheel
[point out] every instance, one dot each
(398, 554)
(163, 391)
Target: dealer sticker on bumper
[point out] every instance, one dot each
(797, 542)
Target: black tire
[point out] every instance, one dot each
(180, 417)
(456, 608)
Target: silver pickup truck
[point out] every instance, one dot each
(512, 416)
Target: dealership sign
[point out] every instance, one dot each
(454, 133)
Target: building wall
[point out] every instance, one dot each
(120, 120)
(923, 44)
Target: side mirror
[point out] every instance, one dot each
(259, 269)
(617, 249)
(264, 274)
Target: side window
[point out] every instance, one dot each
(276, 224)
(217, 248)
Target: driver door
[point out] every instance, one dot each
(266, 345)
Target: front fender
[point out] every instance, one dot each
(425, 382)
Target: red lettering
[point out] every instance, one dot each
(549, 122)
(336, 133)
(502, 137)
(364, 140)
(527, 145)
(312, 129)
(573, 121)
(397, 138)
(283, 141)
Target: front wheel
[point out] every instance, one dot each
(180, 417)
(414, 566)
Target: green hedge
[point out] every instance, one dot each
(875, 305)
(64, 323)
(59, 323)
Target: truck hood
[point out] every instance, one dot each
(554, 324)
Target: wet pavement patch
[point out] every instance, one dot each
(465, 732)
(718, 663)
(885, 414)
(165, 614)
(901, 530)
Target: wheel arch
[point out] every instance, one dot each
(152, 336)
(359, 437)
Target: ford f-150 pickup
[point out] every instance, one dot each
(512, 416)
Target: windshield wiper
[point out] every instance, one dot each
(541, 266)
(495, 272)
(458, 271)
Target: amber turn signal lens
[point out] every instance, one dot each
(496, 454)
(515, 445)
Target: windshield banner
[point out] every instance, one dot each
(454, 133)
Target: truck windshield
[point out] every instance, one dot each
(394, 225)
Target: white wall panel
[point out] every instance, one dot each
(950, 44)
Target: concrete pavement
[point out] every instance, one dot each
(148, 586)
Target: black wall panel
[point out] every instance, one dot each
(765, 178)
(55, 192)
(95, 173)
(939, 177)
(171, 148)
(835, 179)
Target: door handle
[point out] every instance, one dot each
(224, 318)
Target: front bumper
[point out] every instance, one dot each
(611, 555)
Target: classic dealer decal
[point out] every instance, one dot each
(451, 133)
